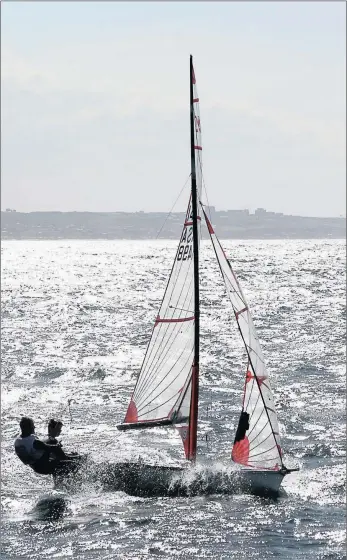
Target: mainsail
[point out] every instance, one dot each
(167, 381)
(257, 440)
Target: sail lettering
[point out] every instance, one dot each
(185, 251)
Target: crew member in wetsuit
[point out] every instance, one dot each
(54, 431)
(42, 457)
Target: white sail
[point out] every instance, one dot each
(257, 441)
(163, 388)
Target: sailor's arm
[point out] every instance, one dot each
(38, 444)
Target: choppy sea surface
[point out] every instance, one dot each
(76, 317)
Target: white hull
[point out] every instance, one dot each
(261, 481)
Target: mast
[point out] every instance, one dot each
(193, 421)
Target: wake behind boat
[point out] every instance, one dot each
(167, 389)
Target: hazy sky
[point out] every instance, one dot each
(95, 104)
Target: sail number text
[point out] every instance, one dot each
(185, 250)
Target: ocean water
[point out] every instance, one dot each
(76, 317)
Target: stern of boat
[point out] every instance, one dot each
(261, 482)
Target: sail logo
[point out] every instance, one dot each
(197, 124)
(185, 250)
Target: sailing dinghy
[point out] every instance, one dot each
(167, 389)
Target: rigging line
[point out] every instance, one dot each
(205, 189)
(176, 269)
(230, 286)
(146, 357)
(173, 332)
(155, 365)
(141, 405)
(174, 274)
(160, 348)
(234, 291)
(62, 409)
(263, 452)
(246, 346)
(159, 333)
(233, 273)
(174, 204)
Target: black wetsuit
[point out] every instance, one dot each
(56, 461)
(50, 460)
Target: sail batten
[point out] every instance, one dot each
(258, 417)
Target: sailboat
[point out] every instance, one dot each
(167, 388)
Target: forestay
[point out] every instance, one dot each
(162, 392)
(257, 441)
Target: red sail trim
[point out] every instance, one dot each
(196, 100)
(237, 313)
(197, 148)
(240, 452)
(240, 455)
(209, 225)
(261, 378)
(193, 418)
(131, 415)
(159, 320)
(191, 223)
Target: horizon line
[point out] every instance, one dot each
(247, 212)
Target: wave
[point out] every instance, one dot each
(144, 480)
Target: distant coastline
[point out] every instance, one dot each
(230, 224)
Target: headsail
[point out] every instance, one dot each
(257, 440)
(162, 395)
